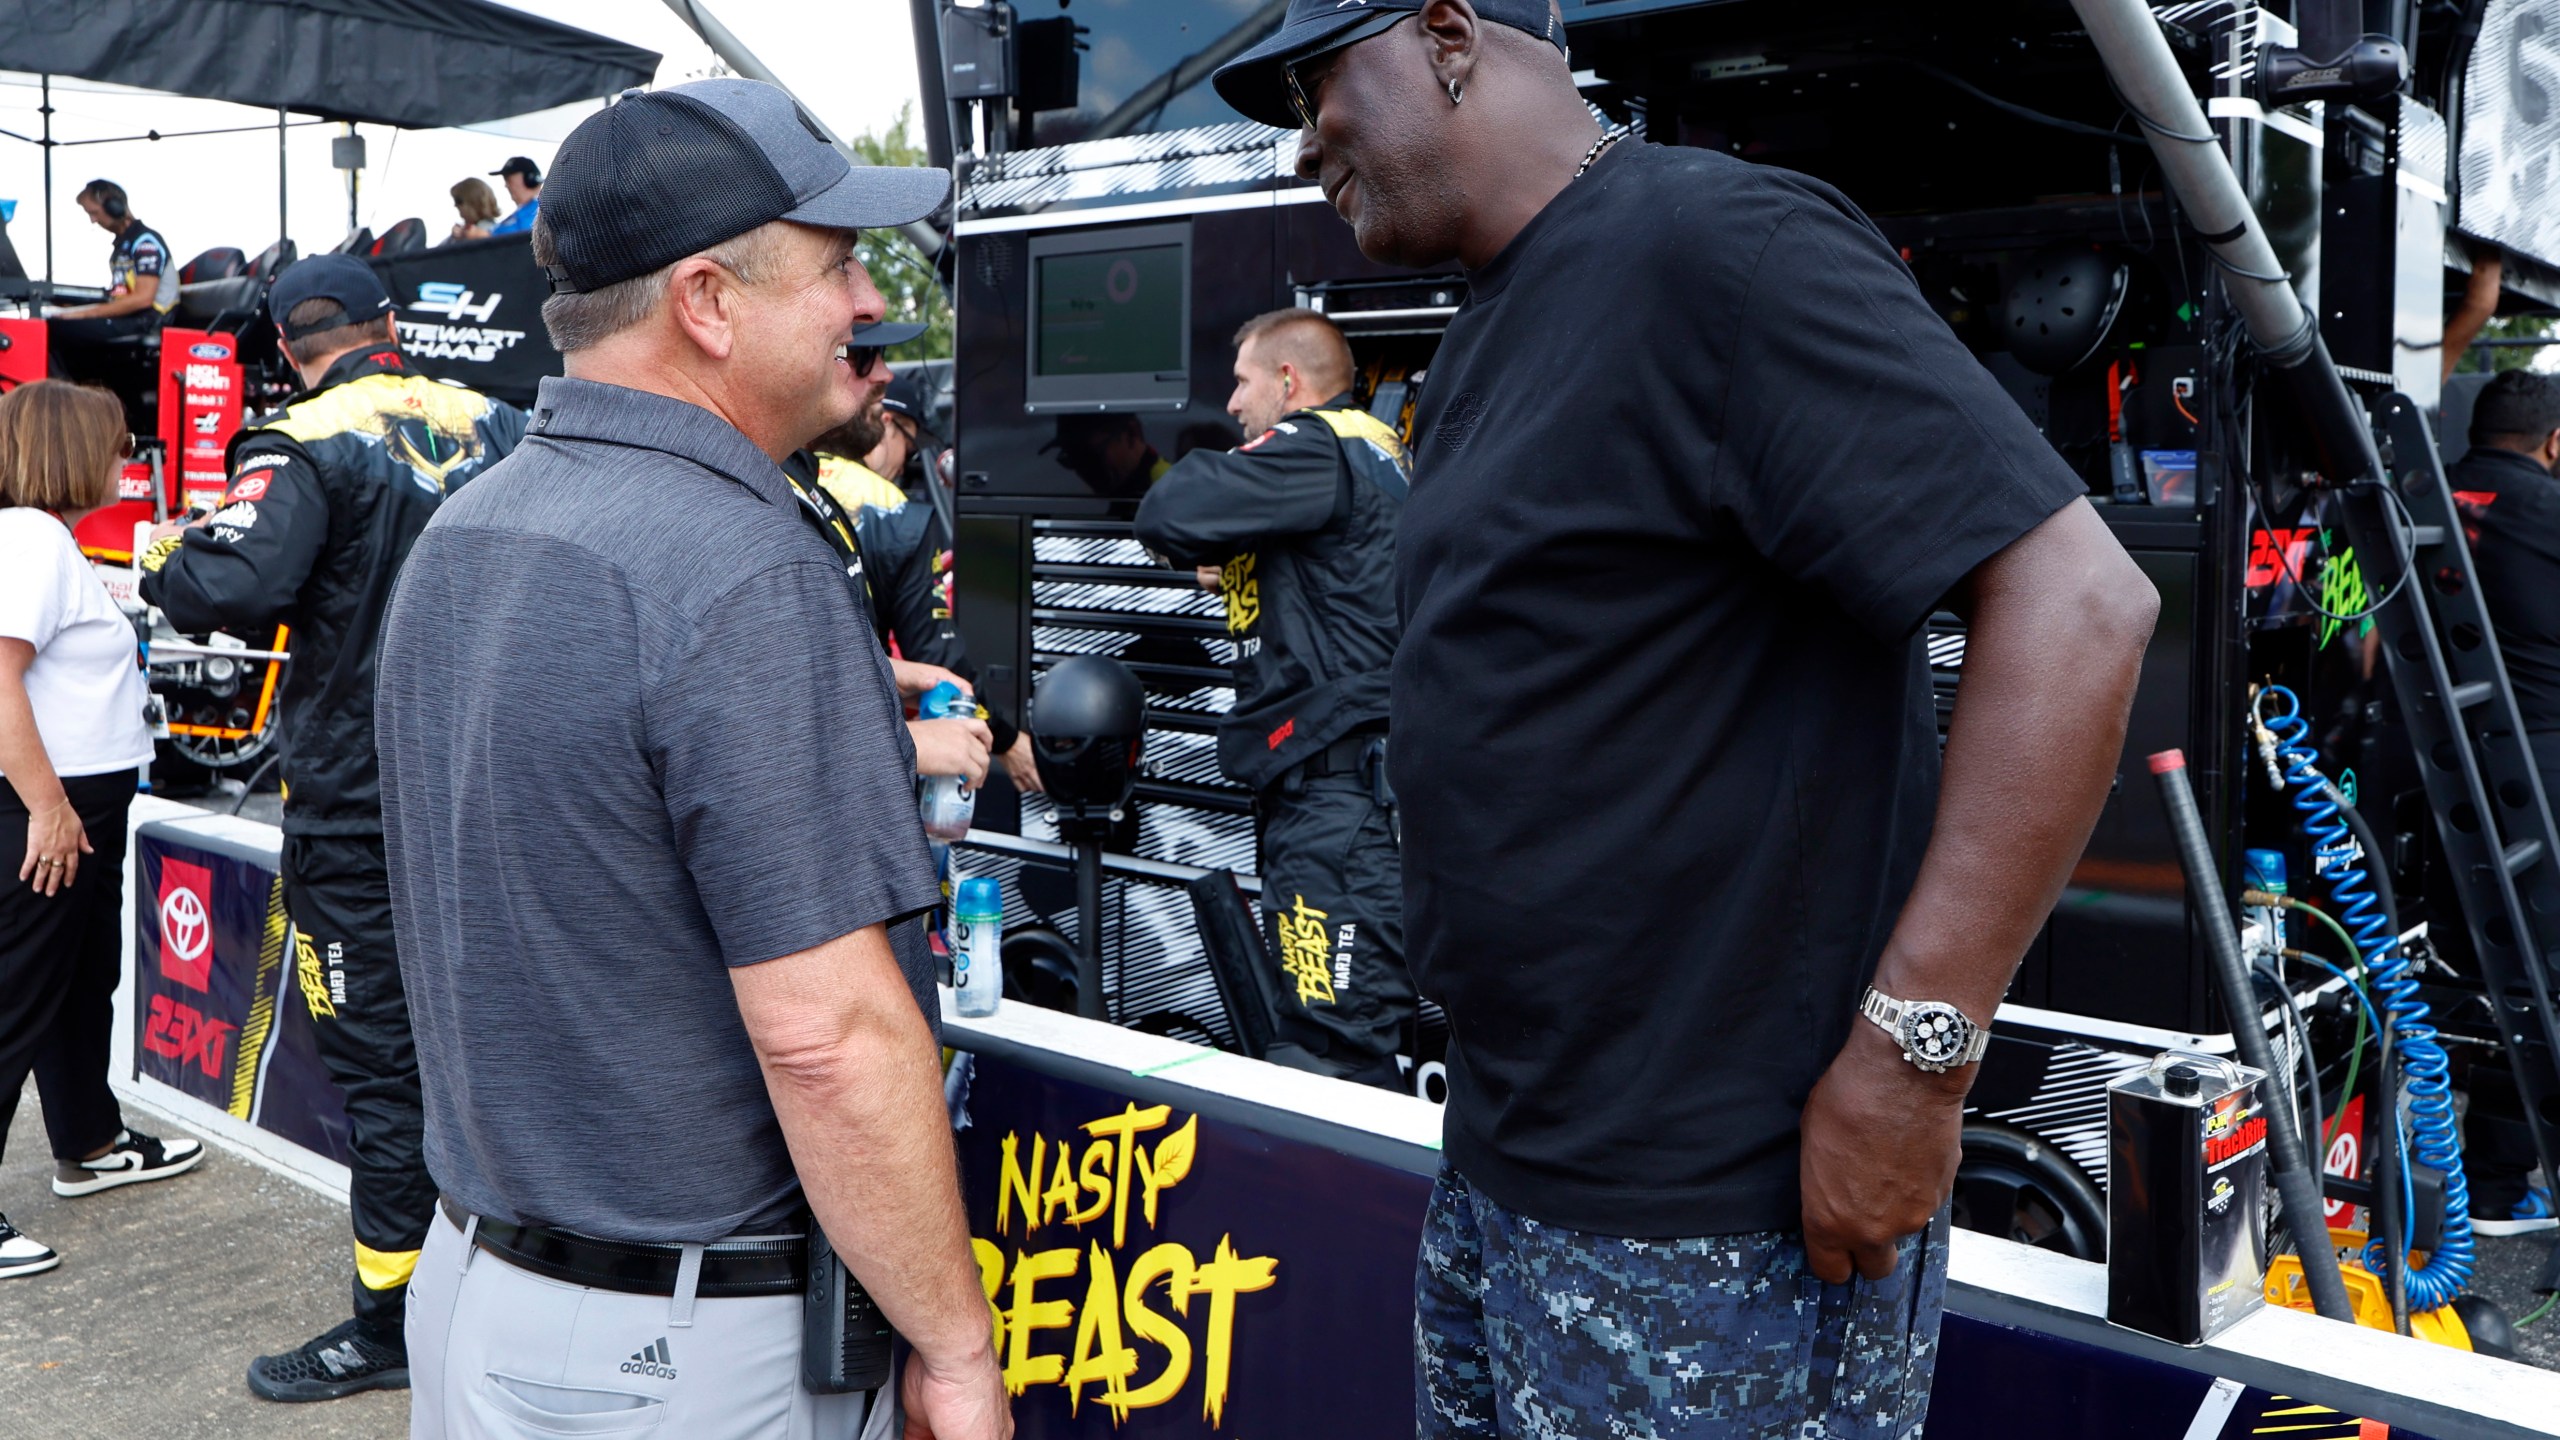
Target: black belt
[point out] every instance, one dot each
(731, 1269)
(1346, 756)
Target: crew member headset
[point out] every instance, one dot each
(110, 198)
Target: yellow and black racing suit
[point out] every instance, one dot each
(326, 497)
(904, 559)
(1301, 522)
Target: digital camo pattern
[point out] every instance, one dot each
(1531, 1331)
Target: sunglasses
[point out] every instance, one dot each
(126, 447)
(863, 358)
(1301, 97)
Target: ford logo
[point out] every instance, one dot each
(209, 350)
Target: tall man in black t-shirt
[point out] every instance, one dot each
(1664, 740)
(2510, 507)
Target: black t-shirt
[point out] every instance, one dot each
(139, 258)
(1694, 463)
(2511, 513)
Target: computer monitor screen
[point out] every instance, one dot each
(1111, 320)
(1111, 312)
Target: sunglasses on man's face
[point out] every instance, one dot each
(863, 359)
(1301, 93)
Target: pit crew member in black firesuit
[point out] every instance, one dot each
(903, 553)
(142, 286)
(326, 497)
(2510, 506)
(1301, 521)
(903, 455)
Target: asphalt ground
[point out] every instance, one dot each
(165, 1293)
(2506, 1274)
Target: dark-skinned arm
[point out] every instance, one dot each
(2479, 305)
(2057, 623)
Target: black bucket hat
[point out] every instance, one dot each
(1257, 85)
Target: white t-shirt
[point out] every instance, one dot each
(85, 687)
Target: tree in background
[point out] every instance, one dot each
(2514, 357)
(906, 281)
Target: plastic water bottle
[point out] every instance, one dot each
(977, 946)
(2265, 870)
(949, 804)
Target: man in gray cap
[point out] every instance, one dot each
(654, 855)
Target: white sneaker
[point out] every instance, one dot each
(134, 1158)
(20, 1255)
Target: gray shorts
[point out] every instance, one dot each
(499, 1353)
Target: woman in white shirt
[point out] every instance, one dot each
(72, 746)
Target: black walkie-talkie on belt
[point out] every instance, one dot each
(844, 1339)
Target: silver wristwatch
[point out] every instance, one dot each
(1933, 1034)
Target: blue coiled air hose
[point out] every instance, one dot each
(2433, 1139)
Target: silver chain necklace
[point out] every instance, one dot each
(1608, 137)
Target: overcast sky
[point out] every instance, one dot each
(852, 62)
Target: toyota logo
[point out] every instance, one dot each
(184, 927)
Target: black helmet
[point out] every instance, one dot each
(1088, 719)
(2061, 304)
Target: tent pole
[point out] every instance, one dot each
(283, 226)
(44, 108)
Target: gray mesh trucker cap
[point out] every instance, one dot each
(662, 174)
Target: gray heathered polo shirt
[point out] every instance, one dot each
(625, 748)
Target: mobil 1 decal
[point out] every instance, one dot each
(1150, 1271)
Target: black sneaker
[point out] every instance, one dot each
(2529, 1216)
(20, 1255)
(134, 1158)
(335, 1365)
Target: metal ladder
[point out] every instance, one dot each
(2491, 811)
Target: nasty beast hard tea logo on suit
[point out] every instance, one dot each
(186, 923)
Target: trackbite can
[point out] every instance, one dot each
(2186, 1197)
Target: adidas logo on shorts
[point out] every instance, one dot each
(653, 1362)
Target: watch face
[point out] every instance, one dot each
(1935, 1033)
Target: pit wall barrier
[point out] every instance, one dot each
(1180, 1241)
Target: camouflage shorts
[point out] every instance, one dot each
(1528, 1330)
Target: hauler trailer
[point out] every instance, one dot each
(1097, 164)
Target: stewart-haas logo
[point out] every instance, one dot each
(453, 302)
(477, 341)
